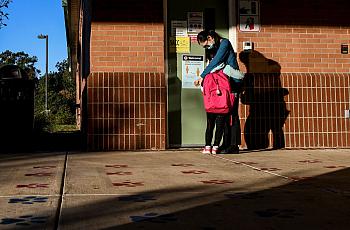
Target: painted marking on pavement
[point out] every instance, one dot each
(310, 161)
(128, 184)
(194, 172)
(40, 174)
(116, 166)
(154, 218)
(119, 173)
(46, 195)
(334, 167)
(137, 198)
(182, 165)
(28, 200)
(34, 185)
(44, 167)
(217, 181)
(250, 166)
(24, 220)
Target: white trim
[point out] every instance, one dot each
(166, 70)
(232, 22)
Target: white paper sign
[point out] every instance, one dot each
(192, 67)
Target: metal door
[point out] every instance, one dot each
(186, 114)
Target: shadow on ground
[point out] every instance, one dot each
(321, 202)
(42, 141)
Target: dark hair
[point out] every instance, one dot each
(203, 36)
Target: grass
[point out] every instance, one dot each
(64, 128)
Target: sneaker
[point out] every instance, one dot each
(215, 150)
(206, 150)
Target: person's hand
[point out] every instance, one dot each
(198, 82)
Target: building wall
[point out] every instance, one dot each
(126, 87)
(297, 57)
(296, 89)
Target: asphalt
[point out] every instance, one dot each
(176, 189)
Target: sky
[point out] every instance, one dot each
(28, 19)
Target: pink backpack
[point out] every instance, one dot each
(217, 94)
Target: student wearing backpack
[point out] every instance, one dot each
(218, 102)
(221, 55)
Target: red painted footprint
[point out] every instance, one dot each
(217, 181)
(119, 173)
(128, 184)
(116, 166)
(334, 167)
(39, 174)
(34, 185)
(194, 172)
(182, 165)
(44, 167)
(310, 161)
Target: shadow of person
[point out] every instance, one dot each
(263, 92)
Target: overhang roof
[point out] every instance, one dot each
(71, 13)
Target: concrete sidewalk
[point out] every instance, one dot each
(284, 189)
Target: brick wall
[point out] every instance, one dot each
(303, 37)
(298, 48)
(297, 66)
(126, 89)
(301, 110)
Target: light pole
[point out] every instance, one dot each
(41, 36)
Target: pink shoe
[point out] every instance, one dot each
(215, 150)
(206, 150)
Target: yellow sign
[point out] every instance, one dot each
(179, 45)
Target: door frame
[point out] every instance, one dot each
(232, 22)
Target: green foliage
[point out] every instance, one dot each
(61, 99)
(60, 91)
(42, 122)
(21, 59)
(3, 4)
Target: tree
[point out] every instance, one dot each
(62, 94)
(60, 90)
(3, 4)
(61, 97)
(21, 59)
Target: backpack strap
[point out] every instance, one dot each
(218, 91)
